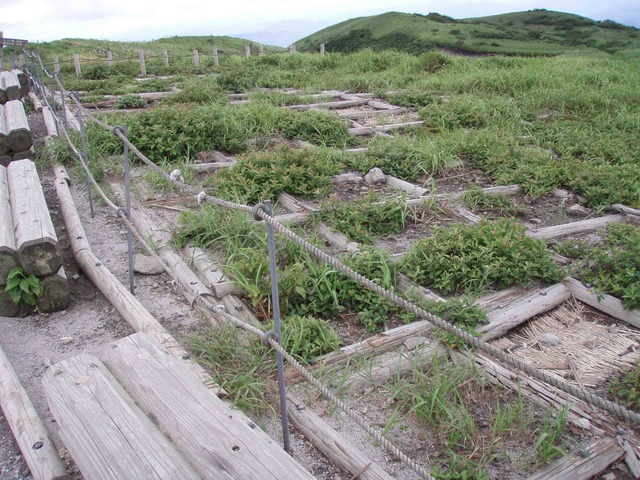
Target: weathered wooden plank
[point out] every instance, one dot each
(35, 102)
(36, 240)
(522, 309)
(333, 445)
(373, 113)
(410, 188)
(381, 105)
(106, 433)
(218, 443)
(4, 135)
(30, 433)
(8, 254)
(17, 126)
(584, 226)
(126, 304)
(55, 293)
(404, 284)
(211, 167)
(456, 211)
(11, 85)
(501, 190)
(49, 122)
(631, 459)
(390, 365)
(578, 466)
(605, 303)
(336, 238)
(293, 218)
(329, 105)
(212, 273)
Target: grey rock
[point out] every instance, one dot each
(537, 221)
(146, 265)
(375, 177)
(578, 210)
(75, 277)
(549, 339)
(612, 329)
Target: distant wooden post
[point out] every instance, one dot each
(261, 49)
(215, 57)
(292, 48)
(1, 48)
(143, 67)
(196, 57)
(56, 64)
(110, 58)
(247, 51)
(165, 57)
(76, 62)
(322, 49)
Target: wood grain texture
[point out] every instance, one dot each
(4, 138)
(211, 273)
(600, 455)
(11, 85)
(8, 255)
(28, 430)
(216, 441)
(106, 433)
(49, 122)
(35, 102)
(333, 445)
(17, 126)
(521, 309)
(558, 231)
(605, 303)
(36, 240)
(404, 186)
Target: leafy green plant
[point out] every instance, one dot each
(626, 388)
(364, 218)
(549, 433)
(130, 100)
(23, 288)
(613, 265)
(263, 175)
(306, 338)
(470, 258)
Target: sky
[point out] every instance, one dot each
(275, 22)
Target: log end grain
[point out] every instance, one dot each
(40, 259)
(55, 293)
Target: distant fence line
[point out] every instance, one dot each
(142, 57)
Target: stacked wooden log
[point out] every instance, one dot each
(16, 141)
(28, 240)
(13, 85)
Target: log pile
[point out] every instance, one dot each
(13, 85)
(28, 239)
(16, 141)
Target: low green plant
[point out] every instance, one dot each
(364, 218)
(611, 266)
(23, 288)
(306, 338)
(480, 201)
(243, 369)
(626, 388)
(261, 176)
(548, 436)
(130, 100)
(471, 258)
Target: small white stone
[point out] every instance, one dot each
(549, 339)
(535, 220)
(375, 177)
(66, 340)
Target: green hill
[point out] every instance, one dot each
(176, 46)
(535, 32)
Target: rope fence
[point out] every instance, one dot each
(261, 213)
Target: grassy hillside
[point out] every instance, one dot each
(176, 46)
(536, 32)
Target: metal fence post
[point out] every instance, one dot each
(127, 209)
(275, 301)
(84, 154)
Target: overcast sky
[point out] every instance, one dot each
(281, 21)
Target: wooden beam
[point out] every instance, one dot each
(211, 167)
(11, 85)
(36, 240)
(334, 446)
(373, 113)
(23, 79)
(38, 450)
(631, 459)
(17, 126)
(35, 102)
(605, 303)
(50, 124)
(584, 226)
(8, 254)
(522, 309)
(410, 188)
(212, 273)
(4, 134)
(578, 466)
(390, 365)
(106, 433)
(501, 190)
(329, 105)
(129, 307)
(215, 440)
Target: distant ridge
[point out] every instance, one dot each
(534, 32)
